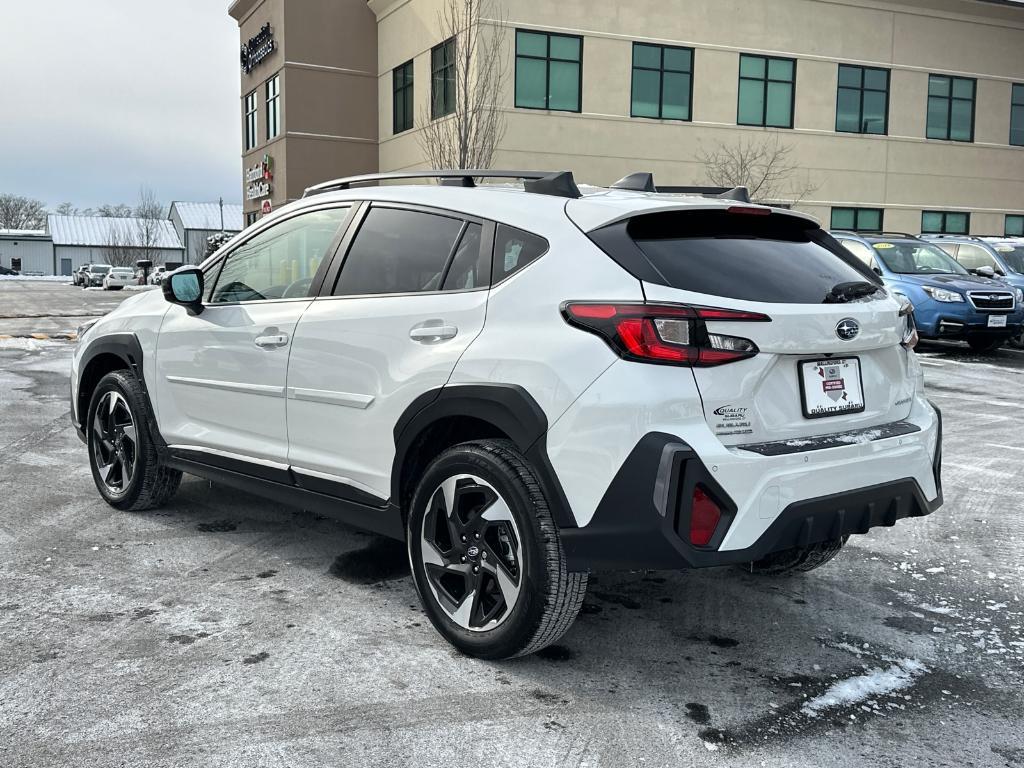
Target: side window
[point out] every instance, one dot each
(861, 251)
(513, 250)
(398, 251)
(470, 268)
(973, 257)
(280, 262)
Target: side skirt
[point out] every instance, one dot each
(385, 520)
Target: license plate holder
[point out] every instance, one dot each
(997, 321)
(830, 387)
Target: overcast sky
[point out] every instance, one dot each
(102, 96)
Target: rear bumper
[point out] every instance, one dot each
(643, 519)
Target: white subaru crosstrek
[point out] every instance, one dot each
(527, 384)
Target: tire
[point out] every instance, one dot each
(124, 462)
(796, 560)
(527, 600)
(984, 343)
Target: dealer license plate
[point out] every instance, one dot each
(997, 321)
(831, 387)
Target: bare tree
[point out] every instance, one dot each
(765, 166)
(122, 248)
(114, 210)
(467, 137)
(19, 212)
(148, 223)
(65, 209)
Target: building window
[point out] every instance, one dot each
(945, 223)
(862, 102)
(273, 107)
(950, 108)
(1017, 115)
(549, 71)
(401, 97)
(251, 217)
(442, 79)
(251, 140)
(1014, 225)
(857, 219)
(766, 91)
(662, 81)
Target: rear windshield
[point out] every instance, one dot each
(1013, 255)
(773, 258)
(99, 268)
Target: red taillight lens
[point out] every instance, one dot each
(669, 334)
(704, 517)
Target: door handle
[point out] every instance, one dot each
(432, 331)
(273, 341)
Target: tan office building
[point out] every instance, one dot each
(905, 115)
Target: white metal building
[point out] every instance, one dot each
(194, 222)
(81, 240)
(29, 251)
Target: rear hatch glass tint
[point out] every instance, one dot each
(769, 258)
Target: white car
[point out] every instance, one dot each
(526, 385)
(157, 275)
(118, 277)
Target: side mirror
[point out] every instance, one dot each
(985, 272)
(185, 287)
(877, 270)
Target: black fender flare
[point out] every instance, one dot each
(507, 407)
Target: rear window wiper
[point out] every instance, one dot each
(842, 293)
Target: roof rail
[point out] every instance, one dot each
(560, 183)
(739, 194)
(940, 235)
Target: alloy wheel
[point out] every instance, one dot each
(472, 553)
(115, 443)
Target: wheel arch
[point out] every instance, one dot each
(447, 416)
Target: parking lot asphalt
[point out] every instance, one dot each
(225, 630)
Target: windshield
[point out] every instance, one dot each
(911, 258)
(1013, 256)
(100, 269)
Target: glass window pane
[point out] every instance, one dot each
(960, 123)
(1017, 96)
(963, 88)
(848, 111)
(565, 47)
(849, 76)
(645, 93)
(1017, 126)
(675, 96)
(678, 59)
(751, 107)
(530, 44)
(469, 269)
(780, 69)
(565, 86)
(873, 120)
(647, 56)
(531, 85)
(931, 221)
(780, 102)
(751, 66)
(397, 251)
(842, 218)
(938, 125)
(956, 223)
(869, 220)
(877, 79)
(1015, 226)
(513, 250)
(938, 85)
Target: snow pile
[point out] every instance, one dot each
(874, 682)
(47, 278)
(27, 344)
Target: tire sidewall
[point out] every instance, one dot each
(508, 637)
(120, 383)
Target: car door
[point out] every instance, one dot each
(410, 298)
(222, 373)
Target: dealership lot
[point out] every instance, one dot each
(225, 630)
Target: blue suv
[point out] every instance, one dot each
(949, 301)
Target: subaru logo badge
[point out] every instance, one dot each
(847, 329)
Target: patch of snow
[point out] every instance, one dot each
(874, 682)
(939, 569)
(860, 438)
(44, 278)
(28, 344)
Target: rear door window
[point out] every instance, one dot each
(513, 250)
(770, 258)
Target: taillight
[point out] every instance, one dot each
(667, 334)
(909, 332)
(704, 517)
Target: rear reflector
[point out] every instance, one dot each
(668, 334)
(704, 518)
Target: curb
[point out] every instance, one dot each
(41, 336)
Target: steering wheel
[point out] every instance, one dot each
(237, 291)
(297, 290)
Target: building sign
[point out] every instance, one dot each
(258, 47)
(266, 207)
(258, 179)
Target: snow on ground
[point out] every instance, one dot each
(28, 344)
(873, 683)
(37, 278)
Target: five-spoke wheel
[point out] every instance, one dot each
(115, 442)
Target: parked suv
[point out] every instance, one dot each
(81, 275)
(949, 301)
(526, 385)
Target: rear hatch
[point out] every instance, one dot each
(828, 357)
